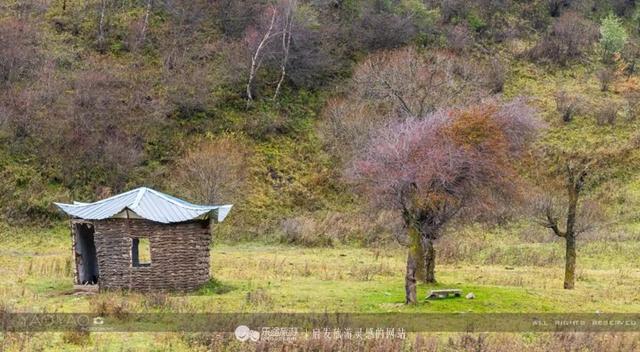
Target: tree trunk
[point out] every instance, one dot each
(255, 58)
(570, 263)
(429, 255)
(286, 44)
(101, 43)
(570, 234)
(145, 23)
(411, 296)
(413, 262)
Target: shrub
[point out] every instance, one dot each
(613, 36)
(333, 228)
(214, 172)
(234, 16)
(607, 114)
(635, 20)
(496, 76)
(622, 7)
(18, 50)
(476, 22)
(632, 105)
(315, 57)
(459, 38)
(555, 6)
(629, 59)
(450, 9)
(367, 272)
(605, 77)
(110, 306)
(569, 37)
(566, 105)
(384, 30)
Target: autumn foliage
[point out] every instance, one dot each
(450, 155)
(432, 168)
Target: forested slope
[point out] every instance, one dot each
(262, 103)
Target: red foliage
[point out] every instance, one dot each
(447, 160)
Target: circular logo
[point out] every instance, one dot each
(243, 333)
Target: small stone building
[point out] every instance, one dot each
(142, 240)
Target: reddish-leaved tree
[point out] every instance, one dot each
(431, 168)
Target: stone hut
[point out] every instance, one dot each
(142, 240)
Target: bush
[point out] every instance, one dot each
(632, 105)
(19, 55)
(450, 9)
(566, 105)
(613, 36)
(110, 306)
(459, 38)
(622, 7)
(496, 76)
(214, 172)
(569, 37)
(555, 6)
(629, 59)
(635, 20)
(476, 22)
(605, 77)
(607, 114)
(384, 30)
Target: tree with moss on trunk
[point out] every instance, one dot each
(563, 204)
(575, 174)
(432, 168)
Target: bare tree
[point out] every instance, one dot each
(145, 22)
(395, 85)
(280, 24)
(19, 53)
(256, 57)
(569, 37)
(286, 42)
(573, 171)
(101, 36)
(215, 172)
(413, 83)
(429, 169)
(575, 174)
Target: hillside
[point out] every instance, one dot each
(99, 99)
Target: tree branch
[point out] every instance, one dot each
(552, 223)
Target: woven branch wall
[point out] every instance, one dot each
(179, 255)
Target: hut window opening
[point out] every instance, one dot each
(140, 252)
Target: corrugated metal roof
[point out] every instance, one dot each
(146, 203)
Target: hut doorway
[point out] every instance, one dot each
(85, 254)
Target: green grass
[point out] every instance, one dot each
(254, 277)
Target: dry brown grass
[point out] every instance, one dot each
(110, 305)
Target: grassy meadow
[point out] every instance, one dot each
(521, 272)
